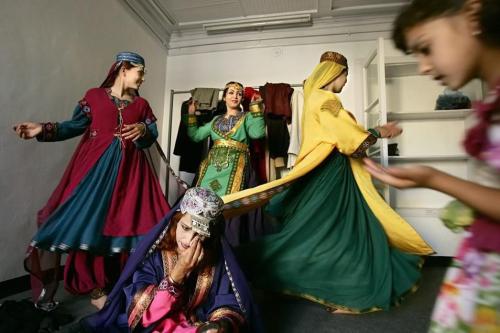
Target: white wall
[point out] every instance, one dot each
(52, 51)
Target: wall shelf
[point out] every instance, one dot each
(428, 158)
(373, 152)
(431, 137)
(400, 61)
(419, 211)
(396, 67)
(433, 115)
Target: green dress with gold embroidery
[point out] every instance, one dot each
(226, 168)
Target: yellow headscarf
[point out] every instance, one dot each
(324, 73)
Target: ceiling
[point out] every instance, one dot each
(167, 17)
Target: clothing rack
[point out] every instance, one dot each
(171, 109)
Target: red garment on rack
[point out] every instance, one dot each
(277, 99)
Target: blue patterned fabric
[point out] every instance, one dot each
(131, 57)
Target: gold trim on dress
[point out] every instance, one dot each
(237, 175)
(203, 171)
(224, 152)
(141, 302)
(228, 134)
(191, 120)
(236, 319)
(231, 144)
(203, 284)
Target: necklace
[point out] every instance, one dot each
(225, 124)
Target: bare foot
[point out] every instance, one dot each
(339, 311)
(99, 302)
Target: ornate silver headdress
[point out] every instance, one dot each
(204, 206)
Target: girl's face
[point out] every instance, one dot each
(446, 50)
(133, 77)
(233, 98)
(184, 233)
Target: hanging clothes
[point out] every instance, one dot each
(278, 115)
(190, 152)
(207, 98)
(257, 146)
(297, 105)
(277, 99)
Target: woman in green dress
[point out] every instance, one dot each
(340, 244)
(226, 169)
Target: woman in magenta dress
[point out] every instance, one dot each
(108, 196)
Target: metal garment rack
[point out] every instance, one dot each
(170, 113)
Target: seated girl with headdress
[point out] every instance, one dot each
(183, 278)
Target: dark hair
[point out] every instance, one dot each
(420, 11)
(113, 73)
(169, 242)
(227, 88)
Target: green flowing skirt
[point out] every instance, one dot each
(331, 248)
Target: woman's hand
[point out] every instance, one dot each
(412, 176)
(389, 130)
(27, 130)
(192, 106)
(256, 98)
(134, 131)
(187, 260)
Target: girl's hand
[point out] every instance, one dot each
(412, 176)
(188, 260)
(389, 130)
(133, 131)
(27, 130)
(192, 106)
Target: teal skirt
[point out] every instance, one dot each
(331, 248)
(77, 224)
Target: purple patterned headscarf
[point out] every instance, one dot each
(204, 206)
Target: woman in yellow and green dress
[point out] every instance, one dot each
(340, 244)
(227, 168)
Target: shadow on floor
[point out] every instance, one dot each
(286, 314)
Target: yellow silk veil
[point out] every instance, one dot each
(326, 126)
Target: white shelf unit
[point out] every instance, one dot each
(434, 115)
(393, 90)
